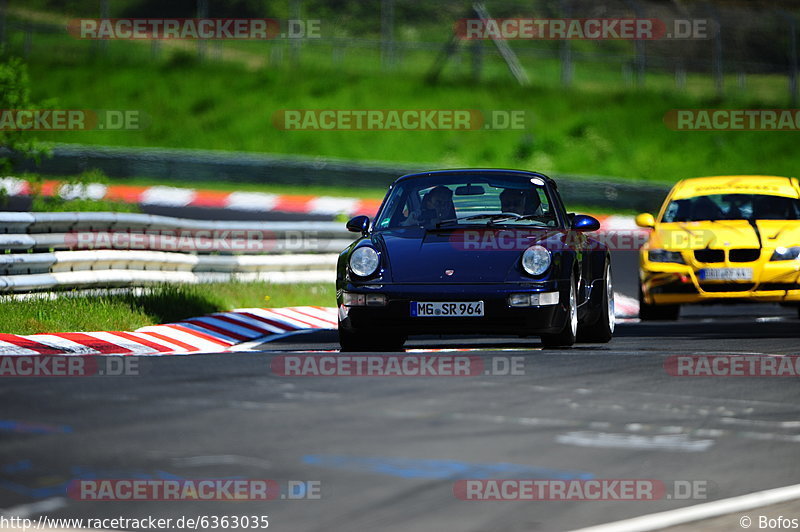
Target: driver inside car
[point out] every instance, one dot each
(437, 205)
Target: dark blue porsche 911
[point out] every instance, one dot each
(473, 252)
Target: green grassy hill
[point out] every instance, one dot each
(599, 127)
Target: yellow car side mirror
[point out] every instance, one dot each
(646, 220)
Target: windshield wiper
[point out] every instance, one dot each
(537, 217)
(448, 221)
(494, 217)
(440, 223)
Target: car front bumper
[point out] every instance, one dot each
(499, 317)
(668, 283)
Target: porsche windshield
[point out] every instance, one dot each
(732, 207)
(467, 200)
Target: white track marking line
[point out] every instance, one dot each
(666, 442)
(222, 459)
(700, 512)
(760, 423)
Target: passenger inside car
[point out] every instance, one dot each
(518, 201)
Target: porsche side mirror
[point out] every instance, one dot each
(584, 223)
(359, 224)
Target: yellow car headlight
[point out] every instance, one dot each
(792, 253)
(662, 255)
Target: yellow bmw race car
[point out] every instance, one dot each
(721, 239)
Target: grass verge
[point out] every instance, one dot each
(160, 304)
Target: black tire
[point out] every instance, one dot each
(649, 312)
(566, 337)
(352, 341)
(602, 330)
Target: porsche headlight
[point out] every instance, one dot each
(792, 253)
(364, 261)
(536, 260)
(662, 255)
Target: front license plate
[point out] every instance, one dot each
(725, 274)
(440, 309)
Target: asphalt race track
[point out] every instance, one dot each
(387, 451)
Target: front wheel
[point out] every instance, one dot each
(357, 341)
(566, 337)
(602, 330)
(648, 312)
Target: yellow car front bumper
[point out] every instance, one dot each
(670, 283)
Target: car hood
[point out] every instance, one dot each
(416, 257)
(726, 234)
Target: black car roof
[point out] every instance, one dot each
(465, 171)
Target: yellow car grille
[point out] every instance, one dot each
(710, 256)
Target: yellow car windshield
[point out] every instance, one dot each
(732, 207)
